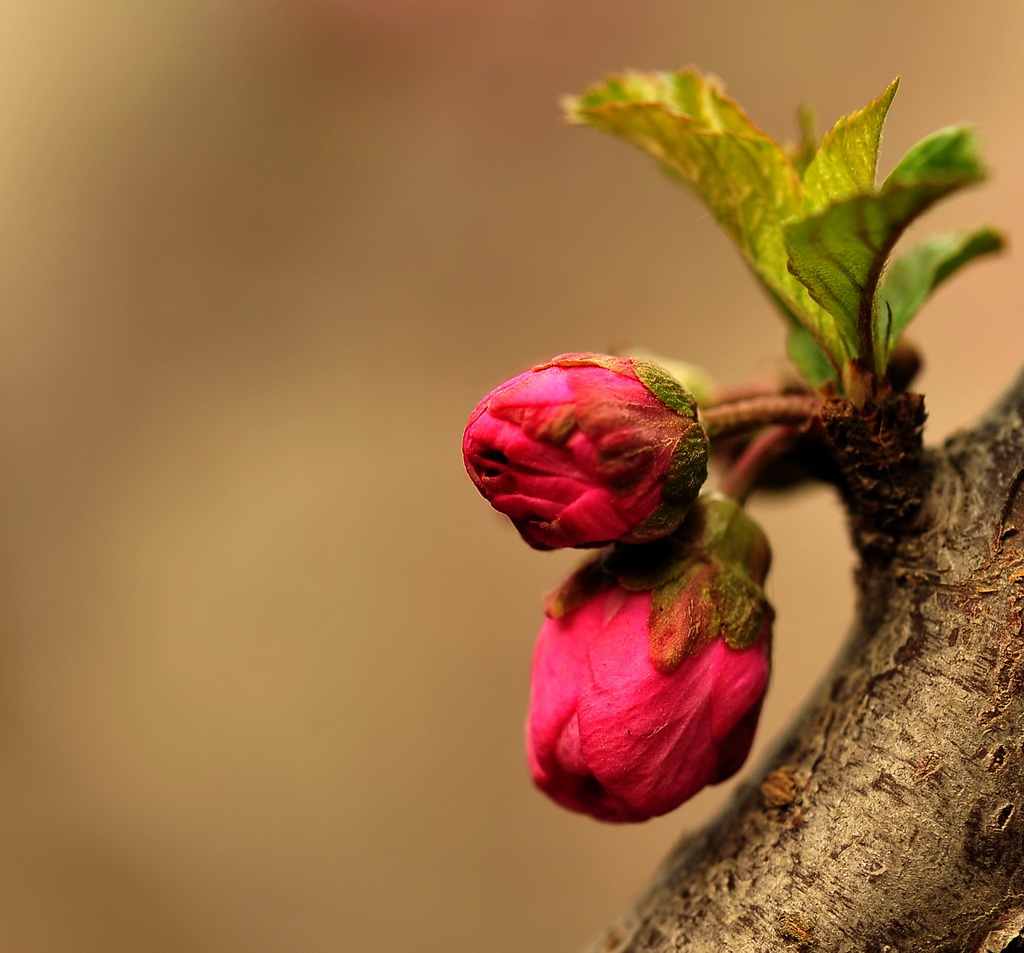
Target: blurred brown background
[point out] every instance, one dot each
(264, 651)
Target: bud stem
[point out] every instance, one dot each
(765, 447)
(742, 416)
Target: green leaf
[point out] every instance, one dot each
(746, 179)
(802, 151)
(951, 152)
(808, 357)
(839, 254)
(704, 139)
(846, 161)
(912, 278)
(810, 220)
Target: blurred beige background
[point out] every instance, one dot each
(264, 651)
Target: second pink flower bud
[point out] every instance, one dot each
(650, 669)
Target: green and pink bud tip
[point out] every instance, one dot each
(650, 669)
(588, 449)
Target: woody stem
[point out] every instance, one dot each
(742, 416)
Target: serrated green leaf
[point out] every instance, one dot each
(704, 139)
(912, 278)
(685, 93)
(746, 179)
(809, 219)
(952, 152)
(847, 159)
(839, 253)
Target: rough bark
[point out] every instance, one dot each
(892, 818)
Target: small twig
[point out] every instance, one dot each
(742, 416)
(742, 477)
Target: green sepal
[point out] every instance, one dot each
(665, 387)
(662, 521)
(646, 566)
(695, 380)
(719, 526)
(707, 600)
(688, 468)
(675, 632)
(588, 581)
(743, 609)
(705, 581)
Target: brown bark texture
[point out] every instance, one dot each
(891, 820)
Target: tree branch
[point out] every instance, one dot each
(892, 818)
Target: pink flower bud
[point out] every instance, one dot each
(588, 449)
(645, 686)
